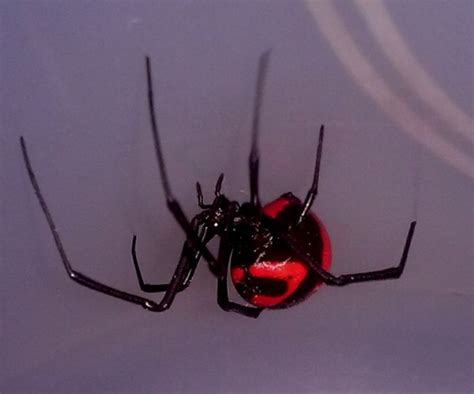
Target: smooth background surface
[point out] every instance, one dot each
(73, 83)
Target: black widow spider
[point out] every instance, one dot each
(279, 254)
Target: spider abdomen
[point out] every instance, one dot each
(267, 273)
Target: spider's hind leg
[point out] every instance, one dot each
(313, 191)
(342, 280)
(387, 273)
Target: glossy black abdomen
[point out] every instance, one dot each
(264, 270)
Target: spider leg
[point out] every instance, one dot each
(76, 276)
(171, 202)
(342, 280)
(191, 255)
(388, 273)
(313, 191)
(254, 157)
(225, 250)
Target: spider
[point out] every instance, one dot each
(278, 254)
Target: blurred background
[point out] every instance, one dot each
(391, 80)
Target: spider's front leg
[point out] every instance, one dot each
(189, 258)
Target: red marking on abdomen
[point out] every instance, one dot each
(237, 274)
(273, 208)
(326, 252)
(291, 272)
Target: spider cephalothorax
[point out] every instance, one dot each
(216, 214)
(278, 254)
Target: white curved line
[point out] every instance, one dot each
(397, 51)
(368, 79)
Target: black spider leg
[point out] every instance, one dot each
(342, 280)
(189, 258)
(76, 276)
(254, 157)
(225, 250)
(171, 202)
(313, 191)
(184, 266)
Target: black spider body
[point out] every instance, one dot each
(278, 254)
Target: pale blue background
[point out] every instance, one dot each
(73, 83)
